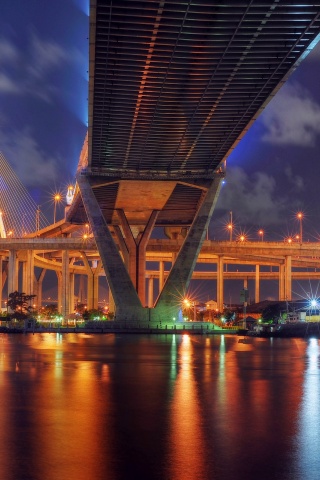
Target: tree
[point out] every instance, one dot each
(20, 304)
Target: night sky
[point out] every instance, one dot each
(271, 175)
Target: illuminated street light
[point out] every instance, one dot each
(230, 226)
(57, 198)
(289, 240)
(261, 233)
(242, 238)
(299, 217)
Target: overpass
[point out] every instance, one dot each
(173, 87)
(77, 256)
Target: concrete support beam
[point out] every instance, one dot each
(150, 292)
(59, 300)
(282, 294)
(13, 268)
(177, 283)
(1, 281)
(136, 248)
(288, 278)
(128, 304)
(28, 273)
(38, 289)
(161, 275)
(65, 294)
(92, 283)
(71, 293)
(220, 283)
(257, 285)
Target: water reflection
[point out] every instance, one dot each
(307, 460)
(158, 407)
(186, 442)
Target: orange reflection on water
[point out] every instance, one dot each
(186, 440)
(67, 414)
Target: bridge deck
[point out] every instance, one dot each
(174, 85)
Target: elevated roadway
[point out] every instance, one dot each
(173, 87)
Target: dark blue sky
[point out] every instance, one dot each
(272, 173)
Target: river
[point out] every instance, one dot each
(167, 407)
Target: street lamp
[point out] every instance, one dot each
(230, 226)
(56, 199)
(299, 217)
(261, 233)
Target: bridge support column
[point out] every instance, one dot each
(220, 283)
(150, 292)
(1, 281)
(59, 300)
(161, 275)
(257, 285)
(288, 277)
(38, 288)
(136, 248)
(128, 304)
(28, 273)
(71, 293)
(65, 294)
(169, 301)
(93, 282)
(282, 294)
(13, 266)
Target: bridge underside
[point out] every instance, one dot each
(173, 87)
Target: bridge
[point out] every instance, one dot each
(173, 87)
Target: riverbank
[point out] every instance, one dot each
(113, 327)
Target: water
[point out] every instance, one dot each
(122, 407)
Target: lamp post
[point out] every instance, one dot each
(299, 217)
(230, 227)
(261, 233)
(56, 198)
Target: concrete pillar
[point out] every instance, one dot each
(13, 266)
(180, 275)
(65, 284)
(257, 285)
(150, 292)
(128, 304)
(161, 275)
(137, 252)
(28, 273)
(112, 307)
(93, 283)
(38, 289)
(71, 293)
(59, 300)
(1, 282)
(220, 283)
(288, 278)
(282, 295)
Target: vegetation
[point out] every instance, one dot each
(20, 304)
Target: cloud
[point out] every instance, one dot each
(295, 180)
(46, 55)
(253, 198)
(31, 164)
(30, 72)
(7, 85)
(292, 118)
(8, 52)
